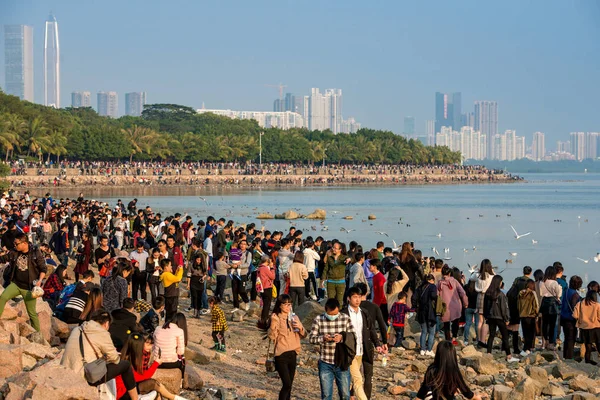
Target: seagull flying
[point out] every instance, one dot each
(533, 241)
(346, 230)
(383, 233)
(582, 260)
(435, 251)
(517, 236)
(472, 268)
(512, 254)
(439, 235)
(447, 250)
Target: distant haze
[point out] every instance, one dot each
(540, 60)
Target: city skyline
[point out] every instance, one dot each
(18, 61)
(522, 68)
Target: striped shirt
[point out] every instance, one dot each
(322, 326)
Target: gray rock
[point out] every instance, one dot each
(484, 380)
(483, 364)
(238, 316)
(308, 311)
(418, 366)
(409, 344)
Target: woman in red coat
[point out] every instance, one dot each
(84, 253)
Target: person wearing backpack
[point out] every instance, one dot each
(512, 296)
(570, 299)
(455, 298)
(495, 311)
(528, 312)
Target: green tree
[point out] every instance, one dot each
(35, 137)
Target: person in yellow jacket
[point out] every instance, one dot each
(170, 282)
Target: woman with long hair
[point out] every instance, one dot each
(137, 351)
(528, 306)
(587, 314)
(482, 282)
(495, 311)
(567, 321)
(93, 303)
(423, 300)
(114, 288)
(197, 274)
(285, 330)
(54, 285)
(443, 379)
(170, 341)
(298, 274)
(551, 294)
(84, 253)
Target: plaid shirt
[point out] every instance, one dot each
(146, 360)
(322, 326)
(219, 323)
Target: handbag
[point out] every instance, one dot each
(550, 305)
(96, 370)
(270, 362)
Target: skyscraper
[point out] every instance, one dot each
(538, 146)
(448, 110)
(108, 104)
(51, 64)
(325, 110)
(486, 122)
(578, 145)
(134, 103)
(81, 99)
(430, 132)
(409, 125)
(18, 61)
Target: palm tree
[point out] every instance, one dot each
(138, 138)
(57, 143)
(11, 127)
(35, 137)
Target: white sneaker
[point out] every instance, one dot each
(422, 352)
(204, 311)
(525, 353)
(430, 353)
(512, 359)
(148, 396)
(312, 296)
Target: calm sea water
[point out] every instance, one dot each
(466, 216)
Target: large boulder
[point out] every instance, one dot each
(538, 374)
(192, 379)
(170, 378)
(10, 360)
(55, 382)
(483, 364)
(317, 214)
(553, 389)
(9, 312)
(264, 216)
(501, 392)
(582, 383)
(12, 329)
(196, 354)
(291, 214)
(60, 328)
(307, 312)
(527, 389)
(38, 351)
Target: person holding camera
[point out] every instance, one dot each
(195, 284)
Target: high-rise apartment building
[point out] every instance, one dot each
(563, 147)
(520, 147)
(470, 143)
(448, 110)
(591, 145)
(430, 132)
(350, 125)
(51, 64)
(134, 103)
(18, 61)
(510, 140)
(486, 122)
(81, 99)
(538, 146)
(409, 125)
(108, 104)
(578, 145)
(325, 110)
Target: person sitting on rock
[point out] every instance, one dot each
(124, 322)
(54, 285)
(443, 378)
(95, 340)
(26, 269)
(137, 350)
(169, 343)
(76, 303)
(151, 320)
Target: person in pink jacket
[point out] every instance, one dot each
(266, 275)
(453, 294)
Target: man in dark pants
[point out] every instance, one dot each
(366, 343)
(138, 281)
(374, 312)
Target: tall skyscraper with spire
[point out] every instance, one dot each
(51, 63)
(18, 61)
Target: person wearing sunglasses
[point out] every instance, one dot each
(26, 269)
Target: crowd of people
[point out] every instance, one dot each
(369, 296)
(78, 173)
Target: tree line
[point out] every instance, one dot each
(178, 133)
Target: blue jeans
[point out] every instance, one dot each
(471, 316)
(329, 372)
(427, 333)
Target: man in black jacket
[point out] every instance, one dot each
(366, 343)
(124, 322)
(374, 312)
(26, 269)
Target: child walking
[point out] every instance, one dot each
(397, 318)
(219, 324)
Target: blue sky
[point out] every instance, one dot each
(539, 59)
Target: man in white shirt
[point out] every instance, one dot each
(139, 278)
(366, 342)
(310, 261)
